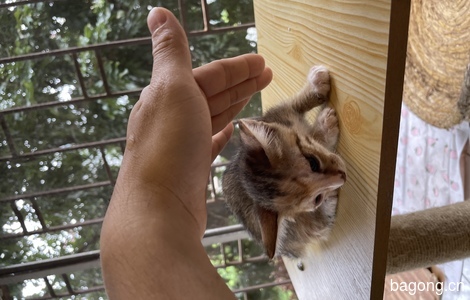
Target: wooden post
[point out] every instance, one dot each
(363, 44)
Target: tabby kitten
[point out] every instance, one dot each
(283, 183)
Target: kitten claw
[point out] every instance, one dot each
(329, 118)
(319, 78)
(328, 122)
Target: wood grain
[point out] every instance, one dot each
(351, 39)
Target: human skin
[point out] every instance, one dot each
(151, 236)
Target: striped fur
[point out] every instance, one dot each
(283, 182)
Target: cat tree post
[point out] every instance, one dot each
(363, 43)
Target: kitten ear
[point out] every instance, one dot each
(268, 225)
(260, 139)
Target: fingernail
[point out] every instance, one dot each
(161, 16)
(157, 17)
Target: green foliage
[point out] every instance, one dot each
(47, 26)
(238, 275)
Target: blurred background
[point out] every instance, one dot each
(70, 73)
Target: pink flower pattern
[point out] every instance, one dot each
(453, 154)
(428, 170)
(431, 141)
(419, 151)
(431, 169)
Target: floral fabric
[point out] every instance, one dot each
(428, 175)
(428, 165)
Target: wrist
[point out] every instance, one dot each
(138, 202)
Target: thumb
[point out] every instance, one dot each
(220, 139)
(170, 48)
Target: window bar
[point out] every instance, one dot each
(68, 286)
(227, 261)
(182, 16)
(39, 214)
(99, 59)
(78, 292)
(56, 191)
(125, 42)
(50, 289)
(205, 15)
(5, 291)
(32, 268)
(93, 240)
(221, 164)
(223, 230)
(260, 286)
(212, 183)
(214, 166)
(257, 259)
(92, 289)
(240, 251)
(72, 259)
(65, 149)
(209, 192)
(106, 166)
(222, 252)
(224, 257)
(72, 101)
(42, 298)
(220, 29)
(60, 265)
(74, 51)
(9, 138)
(24, 2)
(20, 217)
(71, 50)
(50, 229)
(79, 75)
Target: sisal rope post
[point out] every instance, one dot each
(432, 236)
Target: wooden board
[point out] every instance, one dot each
(351, 38)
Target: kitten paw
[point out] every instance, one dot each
(329, 123)
(319, 78)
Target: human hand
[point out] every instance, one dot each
(180, 123)
(157, 214)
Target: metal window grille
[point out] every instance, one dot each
(59, 275)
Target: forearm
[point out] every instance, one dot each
(151, 237)
(156, 255)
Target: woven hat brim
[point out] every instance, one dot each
(438, 53)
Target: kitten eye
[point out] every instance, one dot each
(314, 163)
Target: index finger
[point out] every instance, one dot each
(223, 74)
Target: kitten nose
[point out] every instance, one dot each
(342, 174)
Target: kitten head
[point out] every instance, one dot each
(286, 173)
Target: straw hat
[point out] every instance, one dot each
(437, 59)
